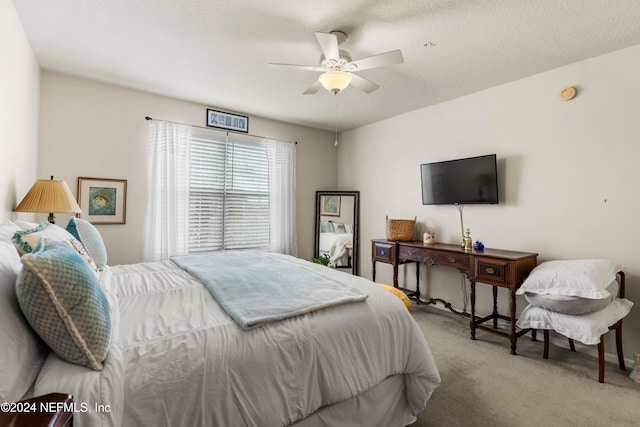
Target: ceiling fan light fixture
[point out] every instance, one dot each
(335, 80)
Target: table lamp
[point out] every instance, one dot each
(49, 196)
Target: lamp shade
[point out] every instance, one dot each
(335, 80)
(49, 196)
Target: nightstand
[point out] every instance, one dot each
(49, 410)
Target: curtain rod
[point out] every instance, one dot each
(218, 130)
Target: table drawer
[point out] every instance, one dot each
(492, 270)
(410, 253)
(384, 252)
(451, 259)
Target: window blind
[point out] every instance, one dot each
(229, 194)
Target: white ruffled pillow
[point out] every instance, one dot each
(584, 278)
(586, 328)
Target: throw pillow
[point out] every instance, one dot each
(585, 278)
(62, 300)
(26, 240)
(91, 239)
(397, 292)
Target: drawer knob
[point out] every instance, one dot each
(490, 270)
(382, 253)
(452, 260)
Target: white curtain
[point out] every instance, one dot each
(168, 180)
(282, 191)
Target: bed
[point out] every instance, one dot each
(175, 357)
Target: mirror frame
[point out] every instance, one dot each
(356, 224)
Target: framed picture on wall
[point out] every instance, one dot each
(103, 200)
(228, 121)
(330, 205)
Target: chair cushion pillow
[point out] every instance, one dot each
(62, 300)
(585, 278)
(570, 304)
(586, 328)
(91, 239)
(22, 352)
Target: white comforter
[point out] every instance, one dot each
(177, 359)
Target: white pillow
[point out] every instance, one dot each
(572, 305)
(25, 225)
(21, 351)
(7, 230)
(585, 278)
(586, 328)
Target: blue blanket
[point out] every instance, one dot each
(256, 287)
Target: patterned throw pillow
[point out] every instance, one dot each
(63, 302)
(90, 237)
(26, 240)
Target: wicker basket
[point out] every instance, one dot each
(400, 230)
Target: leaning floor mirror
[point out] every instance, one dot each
(336, 242)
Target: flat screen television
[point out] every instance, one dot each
(473, 180)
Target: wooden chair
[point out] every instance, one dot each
(617, 326)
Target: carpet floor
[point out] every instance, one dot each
(484, 385)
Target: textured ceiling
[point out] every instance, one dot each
(216, 52)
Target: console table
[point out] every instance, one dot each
(495, 267)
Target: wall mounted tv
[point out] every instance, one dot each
(473, 180)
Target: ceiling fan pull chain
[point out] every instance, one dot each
(335, 94)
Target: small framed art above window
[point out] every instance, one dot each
(228, 121)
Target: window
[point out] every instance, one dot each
(229, 193)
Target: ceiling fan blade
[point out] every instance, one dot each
(313, 88)
(296, 67)
(329, 45)
(380, 60)
(363, 84)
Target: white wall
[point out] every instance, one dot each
(19, 82)
(568, 172)
(92, 129)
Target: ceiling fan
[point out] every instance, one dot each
(338, 71)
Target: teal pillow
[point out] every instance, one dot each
(90, 237)
(63, 302)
